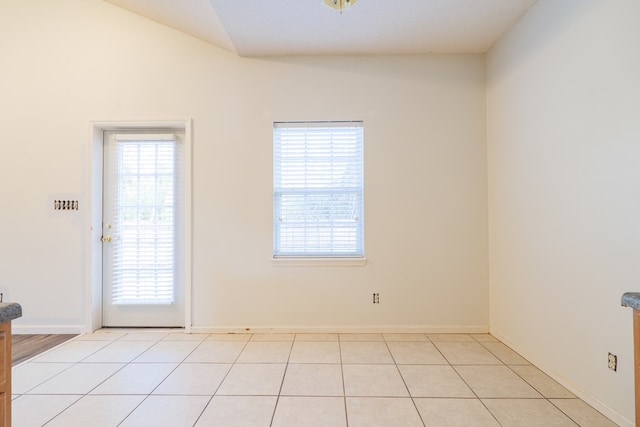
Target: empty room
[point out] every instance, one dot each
(310, 212)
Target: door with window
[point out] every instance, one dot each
(142, 232)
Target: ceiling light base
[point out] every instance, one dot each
(339, 4)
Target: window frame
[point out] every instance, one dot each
(319, 258)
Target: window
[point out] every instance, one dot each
(144, 216)
(318, 189)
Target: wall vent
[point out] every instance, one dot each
(65, 205)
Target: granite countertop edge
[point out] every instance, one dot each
(631, 299)
(10, 311)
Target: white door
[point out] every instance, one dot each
(142, 231)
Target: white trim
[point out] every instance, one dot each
(93, 268)
(317, 262)
(188, 229)
(472, 329)
(93, 263)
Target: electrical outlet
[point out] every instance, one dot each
(376, 298)
(613, 362)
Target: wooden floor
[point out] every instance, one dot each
(27, 346)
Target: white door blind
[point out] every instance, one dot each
(144, 219)
(318, 189)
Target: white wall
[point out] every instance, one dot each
(68, 62)
(564, 195)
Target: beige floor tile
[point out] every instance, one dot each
(78, 379)
(71, 351)
(167, 351)
(144, 336)
(365, 352)
(455, 413)
(313, 380)
(273, 337)
(216, 352)
(527, 413)
(30, 375)
(119, 352)
(194, 379)
(416, 353)
(101, 335)
(265, 352)
(97, 411)
(495, 382)
(136, 378)
(582, 413)
(541, 382)
(382, 412)
(484, 338)
(229, 337)
(169, 411)
(361, 337)
(262, 379)
(315, 352)
(373, 380)
(505, 354)
(181, 336)
(310, 412)
(37, 410)
(451, 338)
(238, 411)
(405, 337)
(317, 337)
(466, 353)
(434, 381)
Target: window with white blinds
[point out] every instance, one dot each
(144, 218)
(318, 189)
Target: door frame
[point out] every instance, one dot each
(94, 176)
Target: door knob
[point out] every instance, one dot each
(106, 239)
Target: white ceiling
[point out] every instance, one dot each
(309, 27)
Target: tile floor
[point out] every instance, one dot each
(163, 378)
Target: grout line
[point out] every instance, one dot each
(284, 374)
(344, 388)
(415, 406)
(467, 384)
(174, 370)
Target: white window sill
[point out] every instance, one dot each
(318, 262)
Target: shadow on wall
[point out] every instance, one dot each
(564, 12)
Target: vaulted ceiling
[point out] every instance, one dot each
(310, 27)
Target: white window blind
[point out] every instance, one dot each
(318, 189)
(145, 218)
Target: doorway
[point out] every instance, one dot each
(141, 228)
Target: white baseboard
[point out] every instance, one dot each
(341, 329)
(81, 329)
